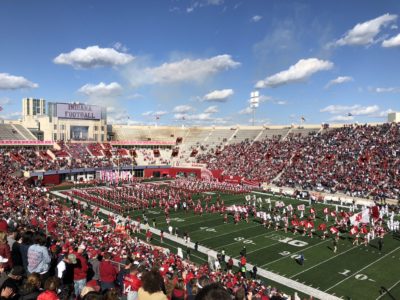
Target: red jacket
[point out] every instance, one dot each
(48, 295)
(6, 253)
(107, 271)
(81, 267)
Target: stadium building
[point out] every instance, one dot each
(64, 121)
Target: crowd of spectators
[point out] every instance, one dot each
(52, 251)
(358, 160)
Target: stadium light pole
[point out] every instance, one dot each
(254, 102)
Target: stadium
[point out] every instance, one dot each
(198, 193)
(199, 150)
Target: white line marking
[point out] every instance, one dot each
(302, 250)
(363, 268)
(383, 294)
(324, 261)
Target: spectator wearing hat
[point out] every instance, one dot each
(95, 263)
(5, 250)
(38, 257)
(108, 273)
(51, 286)
(80, 270)
(14, 281)
(3, 274)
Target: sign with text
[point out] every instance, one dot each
(78, 111)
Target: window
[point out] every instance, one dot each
(55, 137)
(55, 126)
(96, 128)
(102, 128)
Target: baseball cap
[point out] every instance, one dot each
(3, 259)
(93, 284)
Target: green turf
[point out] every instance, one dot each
(354, 272)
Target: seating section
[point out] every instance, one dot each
(14, 132)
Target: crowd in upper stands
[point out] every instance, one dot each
(358, 160)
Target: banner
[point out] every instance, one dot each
(25, 142)
(142, 143)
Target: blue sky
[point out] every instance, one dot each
(196, 62)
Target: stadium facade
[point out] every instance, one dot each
(64, 121)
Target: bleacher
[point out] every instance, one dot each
(245, 134)
(11, 132)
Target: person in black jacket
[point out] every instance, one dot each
(31, 288)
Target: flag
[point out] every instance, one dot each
(301, 207)
(349, 114)
(354, 230)
(322, 226)
(289, 207)
(1, 108)
(333, 213)
(361, 217)
(364, 230)
(295, 223)
(375, 212)
(326, 210)
(312, 210)
(310, 224)
(334, 230)
(157, 117)
(303, 119)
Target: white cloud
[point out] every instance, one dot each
(211, 109)
(203, 3)
(392, 42)
(383, 113)
(5, 101)
(341, 118)
(119, 46)
(218, 95)
(300, 71)
(387, 90)
(11, 116)
(256, 18)
(355, 110)
(185, 70)
(365, 33)
(280, 102)
(154, 114)
(92, 57)
(101, 90)
(339, 80)
(11, 82)
(182, 109)
(246, 111)
(194, 117)
(147, 113)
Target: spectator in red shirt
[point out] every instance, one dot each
(132, 283)
(108, 273)
(80, 271)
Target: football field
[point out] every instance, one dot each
(353, 272)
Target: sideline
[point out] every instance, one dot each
(264, 273)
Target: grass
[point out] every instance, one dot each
(354, 272)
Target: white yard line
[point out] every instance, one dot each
(388, 290)
(324, 261)
(302, 250)
(367, 266)
(252, 237)
(229, 233)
